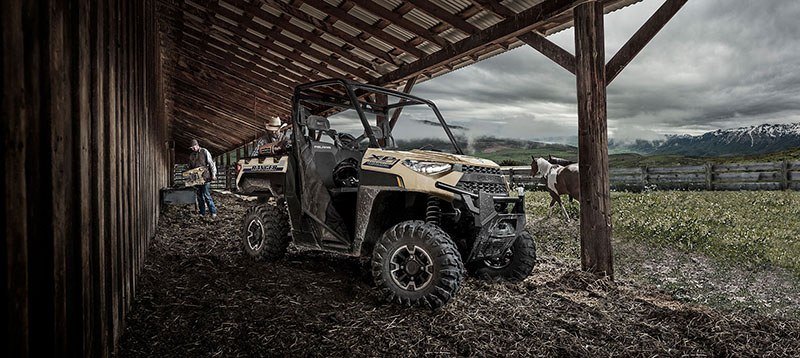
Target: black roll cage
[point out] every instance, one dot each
(306, 93)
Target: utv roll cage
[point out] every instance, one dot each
(315, 93)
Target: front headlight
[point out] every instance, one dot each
(430, 168)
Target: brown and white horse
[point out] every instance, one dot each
(560, 180)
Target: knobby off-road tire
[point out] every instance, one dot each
(265, 231)
(417, 264)
(515, 267)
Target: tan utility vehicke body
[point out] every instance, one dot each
(423, 216)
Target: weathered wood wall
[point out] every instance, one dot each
(84, 137)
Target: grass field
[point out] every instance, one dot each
(729, 249)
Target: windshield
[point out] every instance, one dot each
(418, 127)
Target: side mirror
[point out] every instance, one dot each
(377, 132)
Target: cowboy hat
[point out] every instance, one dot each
(273, 124)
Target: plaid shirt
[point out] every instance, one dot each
(202, 158)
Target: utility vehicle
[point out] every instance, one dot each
(424, 216)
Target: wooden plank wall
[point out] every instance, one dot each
(84, 133)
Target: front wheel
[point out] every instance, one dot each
(514, 266)
(417, 264)
(265, 231)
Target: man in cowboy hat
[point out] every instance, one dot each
(274, 140)
(200, 157)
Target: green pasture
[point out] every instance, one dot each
(753, 229)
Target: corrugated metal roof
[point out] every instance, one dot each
(350, 40)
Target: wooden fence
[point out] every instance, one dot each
(781, 175)
(745, 176)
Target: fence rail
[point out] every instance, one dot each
(747, 176)
(781, 175)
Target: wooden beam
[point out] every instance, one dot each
(549, 49)
(211, 7)
(274, 34)
(221, 82)
(326, 26)
(595, 228)
(259, 68)
(315, 35)
(224, 62)
(226, 52)
(445, 16)
(399, 20)
(217, 102)
(372, 29)
(639, 40)
(406, 89)
(511, 27)
(289, 54)
(249, 61)
(495, 7)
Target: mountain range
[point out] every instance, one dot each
(753, 140)
(673, 150)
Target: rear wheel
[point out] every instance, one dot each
(416, 264)
(515, 265)
(265, 231)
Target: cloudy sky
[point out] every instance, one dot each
(717, 64)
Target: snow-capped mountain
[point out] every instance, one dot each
(760, 139)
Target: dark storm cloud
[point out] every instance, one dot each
(717, 64)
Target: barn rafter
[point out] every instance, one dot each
(276, 44)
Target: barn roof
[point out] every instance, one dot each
(234, 62)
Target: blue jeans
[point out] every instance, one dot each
(204, 198)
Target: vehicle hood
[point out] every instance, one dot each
(429, 155)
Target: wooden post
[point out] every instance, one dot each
(590, 68)
(709, 176)
(381, 119)
(784, 175)
(227, 170)
(171, 149)
(406, 89)
(645, 176)
(15, 230)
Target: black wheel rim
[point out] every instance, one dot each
(500, 262)
(412, 268)
(255, 235)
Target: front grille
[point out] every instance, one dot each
(476, 187)
(482, 170)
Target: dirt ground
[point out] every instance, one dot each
(199, 295)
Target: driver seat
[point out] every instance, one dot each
(320, 124)
(327, 156)
(324, 152)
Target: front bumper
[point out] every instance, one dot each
(499, 218)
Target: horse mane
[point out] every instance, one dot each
(559, 161)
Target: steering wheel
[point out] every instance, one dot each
(357, 141)
(347, 140)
